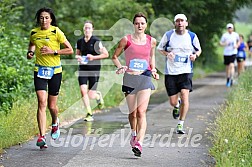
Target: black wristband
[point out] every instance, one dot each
(29, 51)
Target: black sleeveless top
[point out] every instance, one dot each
(90, 47)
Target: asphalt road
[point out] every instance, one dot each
(105, 142)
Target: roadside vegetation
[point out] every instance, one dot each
(232, 130)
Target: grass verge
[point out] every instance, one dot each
(232, 130)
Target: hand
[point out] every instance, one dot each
(30, 54)
(78, 57)
(193, 57)
(121, 70)
(170, 56)
(90, 57)
(46, 50)
(155, 75)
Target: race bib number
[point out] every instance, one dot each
(45, 72)
(84, 60)
(181, 59)
(138, 65)
(240, 54)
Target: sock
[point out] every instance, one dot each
(89, 110)
(133, 133)
(181, 122)
(141, 143)
(177, 105)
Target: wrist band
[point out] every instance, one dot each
(29, 51)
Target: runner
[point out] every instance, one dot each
(137, 85)
(230, 42)
(241, 55)
(45, 43)
(181, 47)
(89, 52)
(249, 43)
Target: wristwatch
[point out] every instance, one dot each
(55, 52)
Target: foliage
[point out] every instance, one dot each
(14, 81)
(232, 135)
(206, 18)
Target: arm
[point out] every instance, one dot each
(117, 53)
(104, 54)
(246, 47)
(223, 41)
(68, 50)
(65, 51)
(30, 52)
(152, 59)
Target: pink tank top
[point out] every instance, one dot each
(137, 52)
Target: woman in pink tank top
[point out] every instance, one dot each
(139, 51)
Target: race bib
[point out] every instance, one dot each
(45, 72)
(181, 59)
(138, 65)
(84, 59)
(240, 54)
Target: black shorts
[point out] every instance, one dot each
(89, 77)
(135, 83)
(174, 83)
(240, 59)
(229, 59)
(53, 83)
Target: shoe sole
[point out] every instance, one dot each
(136, 152)
(89, 119)
(180, 132)
(40, 144)
(44, 147)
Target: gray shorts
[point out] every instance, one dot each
(135, 83)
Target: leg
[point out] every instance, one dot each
(185, 105)
(85, 97)
(232, 70)
(41, 112)
(174, 100)
(53, 108)
(131, 102)
(143, 98)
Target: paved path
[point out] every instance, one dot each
(106, 140)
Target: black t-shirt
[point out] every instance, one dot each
(249, 42)
(90, 47)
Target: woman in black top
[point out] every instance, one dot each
(89, 52)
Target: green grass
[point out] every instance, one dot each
(232, 130)
(244, 29)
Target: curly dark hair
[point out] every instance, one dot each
(48, 10)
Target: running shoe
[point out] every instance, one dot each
(55, 132)
(100, 101)
(41, 142)
(89, 117)
(229, 82)
(176, 110)
(137, 149)
(133, 141)
(180, 129)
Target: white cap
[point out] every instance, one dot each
(180, 16)
(230, 25)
